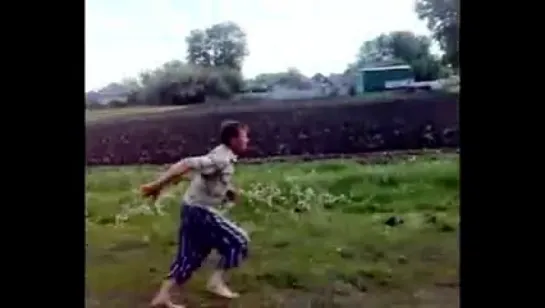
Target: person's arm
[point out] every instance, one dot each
(173, 173)
(176, 171)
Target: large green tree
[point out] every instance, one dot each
(291, 78)
(400, 47)
(175, 77)
(214, 60)
(443, 18)
(221, 45)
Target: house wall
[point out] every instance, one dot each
(380, 80)
(107, 100)
(285, 93)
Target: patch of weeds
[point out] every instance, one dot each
(342, 288)
(281, 244)
(106, 220)
(430, 219)
(331, 167)
(440, 208)
(368, 208)
(402, 259)
(384, 180)
(128, 245)
(394, 221)
(104, 258)
(448, 181)
(382, 198)
(431, 254)
(448, 284)
(132, 211)
(355, 280)
(344, 183)
(362, 279)
(372, 253)
(441, 223)
(357, 198)
(382, 277)
(288, 196)
(346, 253)
(166, 242)
(316, 230)
(446, 227)
(423, 206)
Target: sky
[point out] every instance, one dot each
(125, 37)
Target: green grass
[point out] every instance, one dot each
(317, 229)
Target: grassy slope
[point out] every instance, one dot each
(337, 252)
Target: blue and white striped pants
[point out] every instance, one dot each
(201, 231)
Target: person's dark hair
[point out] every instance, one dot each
(229, 130)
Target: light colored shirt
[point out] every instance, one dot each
(211, 178)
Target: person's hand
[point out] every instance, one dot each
(231, 196)
(150, 190)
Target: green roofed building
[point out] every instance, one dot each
(376, 79)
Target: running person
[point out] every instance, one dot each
(203, 228)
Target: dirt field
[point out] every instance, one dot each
(280, 129)
(99, 117)
(334, 233)
(112, 114)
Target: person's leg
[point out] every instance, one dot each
(192, 250)
(177, 277)
(232, 244)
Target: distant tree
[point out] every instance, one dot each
(291, 78)
(215, 56)
(443, 17)
(352, 91)
(233, 79)
(131, 84)
(177, 83)
(294, 71)
(376, 52)
(221, 45)
(318, 77)
(198, 48)
(400, 47)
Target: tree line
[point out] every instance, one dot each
(215, 57)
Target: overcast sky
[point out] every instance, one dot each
(124, 37)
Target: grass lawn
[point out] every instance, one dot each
(319, 237)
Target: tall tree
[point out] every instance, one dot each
(291, 78)
(400, 47)
(131, 84)
(221, 45)
(443, 18)
(198, 49)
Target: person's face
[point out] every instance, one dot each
(240, 143)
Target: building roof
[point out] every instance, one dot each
(385, 68)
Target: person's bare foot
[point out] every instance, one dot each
(167, 304)
(172, 305)
(163, 301)
(220, 289)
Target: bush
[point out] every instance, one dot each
(118, 104)
(178, 84)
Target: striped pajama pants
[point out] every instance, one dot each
(201, 231)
